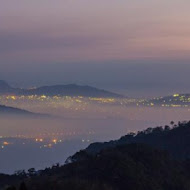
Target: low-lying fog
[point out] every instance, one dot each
(39, 142)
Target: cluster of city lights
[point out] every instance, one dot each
(43, 143)
(176, 100)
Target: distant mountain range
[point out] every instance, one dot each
(58, 90)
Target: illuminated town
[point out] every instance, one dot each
(175, 100)
(44, 140)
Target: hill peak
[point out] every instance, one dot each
(4, 84)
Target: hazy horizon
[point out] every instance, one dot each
(131, 78)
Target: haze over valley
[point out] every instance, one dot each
(57, 125)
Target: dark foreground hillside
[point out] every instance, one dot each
(130, 166)
(175, 139)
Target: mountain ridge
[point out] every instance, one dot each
(168, 138)
(63, 90)
(7, 110)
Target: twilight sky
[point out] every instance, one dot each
(36, 35)
(72, 30)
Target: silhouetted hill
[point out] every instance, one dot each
(175, 140)
(5, 110)
(11, 110)
(4, 87)
(131, 163)
(131, 167)
(71, 90)
(62, 90)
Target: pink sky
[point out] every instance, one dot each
(48, 31)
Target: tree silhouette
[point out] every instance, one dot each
(22, 186)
